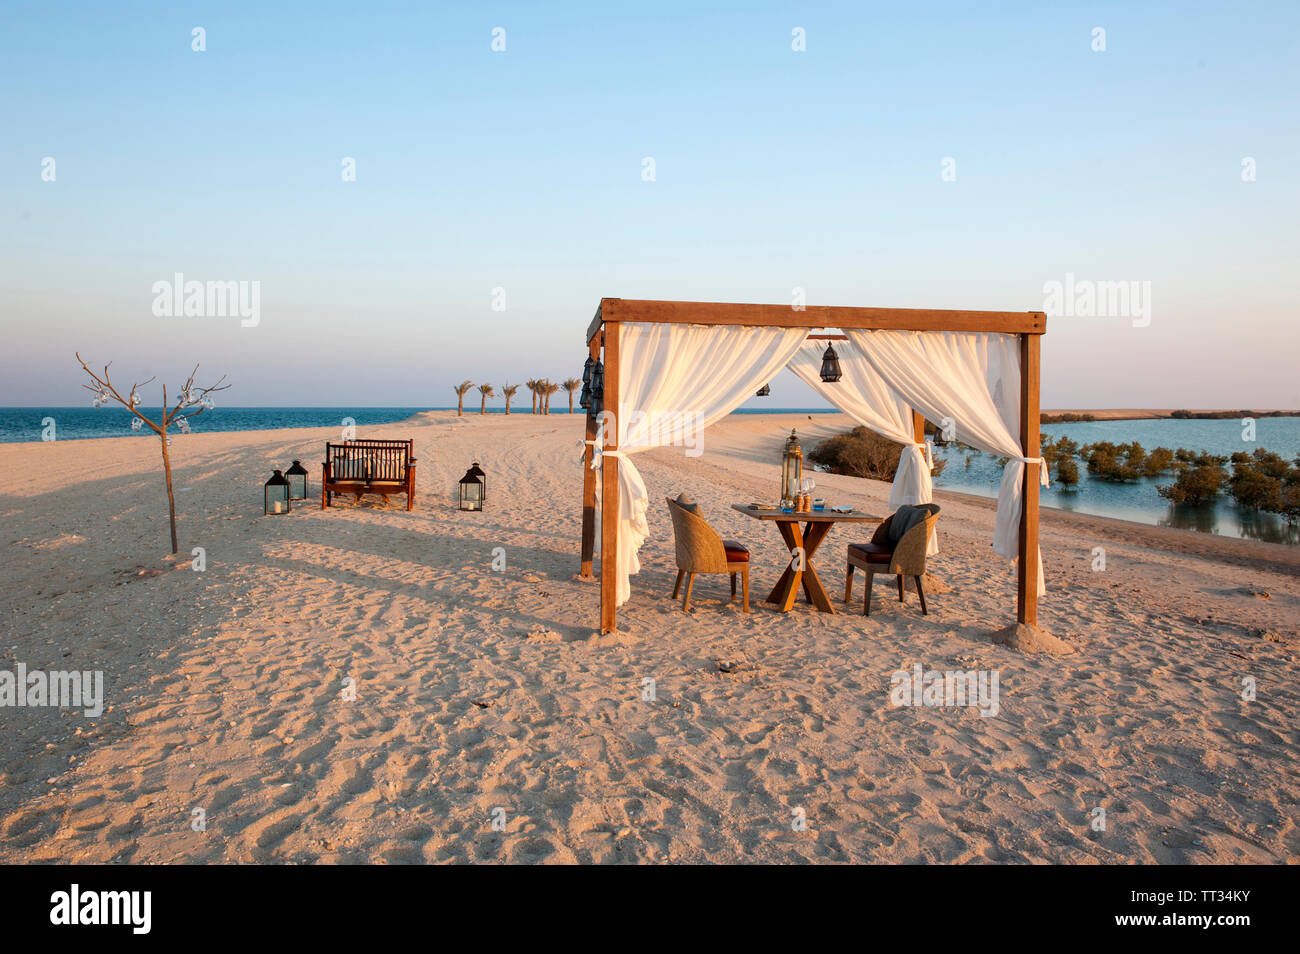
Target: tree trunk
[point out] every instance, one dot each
(534, 402)
(570, 402)
(507, 407)
(171, 498)
(460, 405)
(482, 407)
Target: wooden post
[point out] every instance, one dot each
(918, 427)
(1027, 581)
(589, 486)
(609, 503)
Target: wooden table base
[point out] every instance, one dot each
(809, 538)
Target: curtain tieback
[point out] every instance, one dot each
(1042, 468)
(599, 453)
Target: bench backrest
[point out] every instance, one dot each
(370, 459)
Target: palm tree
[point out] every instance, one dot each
(487, 391)
(570, 385)
(461, 390)
(531, 384)
(548, 389)
(509, 392)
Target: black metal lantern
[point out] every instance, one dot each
(472, 486)
(830, 365)
(584, 401)
(764, 391)
(277, 494)
(477, 471)
(596, 404)
(297, 476)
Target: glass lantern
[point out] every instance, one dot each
(830, 365)
(297, 476)
(471, 489)
(764, 391)
(791, 471)
(277, 494)
(477, 471)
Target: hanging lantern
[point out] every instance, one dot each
(277, 494)
(584, 401)
(764, 391)
(297, 475)
(471, 489)
(791, 472)
(830, 365)
(597, 388)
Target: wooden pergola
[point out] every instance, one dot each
(603, 333)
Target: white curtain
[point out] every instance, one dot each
(973, 378)
(863, 395)
(674, 381)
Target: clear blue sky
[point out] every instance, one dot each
(522, 169)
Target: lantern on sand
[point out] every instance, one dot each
(276, 494)
(472, 486)
(297, 476)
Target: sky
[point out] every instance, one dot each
(938, 155)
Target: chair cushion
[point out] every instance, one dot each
(350, 465)
(736, 552)
(686, 503)
(871, 552)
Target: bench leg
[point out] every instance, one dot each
(744, 576)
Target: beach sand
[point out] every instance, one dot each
(479, 690)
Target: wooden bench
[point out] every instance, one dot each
(369, 467)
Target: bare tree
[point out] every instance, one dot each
(461, 390)
(508, 392)
(189, 398)
(570, 385)
(487, 391)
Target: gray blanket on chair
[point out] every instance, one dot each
(907, 517)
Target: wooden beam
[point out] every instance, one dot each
(609, 504)
(822, 316)
(589, 486)
(1027, 580)
(593, 326)
(918, 427)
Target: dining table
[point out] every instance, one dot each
(801, 573)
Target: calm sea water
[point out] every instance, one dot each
(978, 473)
(18, 424)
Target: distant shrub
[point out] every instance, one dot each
(862, 453)
(1199, 481)
(1067, 472)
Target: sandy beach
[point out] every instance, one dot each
(480, 690)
